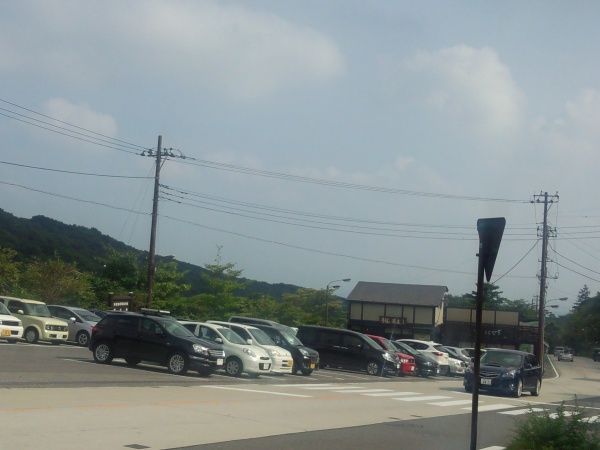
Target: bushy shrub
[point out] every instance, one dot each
(560, 431)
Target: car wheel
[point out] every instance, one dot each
(131, 361)
(31, 335)
(373, 368)
(177, 363)
(536, 391)
(519, 390)
(306, 371)
(83, 338)
(294, 368)
(103, 353)
(234, 367)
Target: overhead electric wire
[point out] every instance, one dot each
(140, 147)
(518, 262)
(573, 262)
(73, 172)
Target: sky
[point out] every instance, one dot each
(314, 141)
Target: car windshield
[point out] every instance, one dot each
(176, 329)
(232, 336)
(292, 339)
(36, 309)
(4, 310)
(372, 343)
(503, 359)
(389, 344)
(260, 337)
(87, 315)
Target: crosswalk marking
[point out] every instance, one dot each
(591, 419)
(391, 394)
(493, 407)
(565, 413)
(422, 399)
(362, 391)
(518, 412)
(451, 403)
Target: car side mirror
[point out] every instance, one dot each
(219, 340)
(20, 311)
(528, 366)
(249, 341)
(73, 319)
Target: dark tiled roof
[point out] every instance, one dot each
(401, 294)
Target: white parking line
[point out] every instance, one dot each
(258, 392)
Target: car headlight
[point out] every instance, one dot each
(304, 352)
(428, 363)
(200, 349)
(273, 352)
(404, 360)
(510, 374)
(249, 352)
(388, 357)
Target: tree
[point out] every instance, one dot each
(119, 274)
(10, 271)
(57, 282)
(582, 298)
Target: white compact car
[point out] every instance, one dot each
(11, 327)
(239, 355)
(433, 349)
(281, 358)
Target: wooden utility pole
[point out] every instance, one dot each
(151, 255)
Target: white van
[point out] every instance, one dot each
(240, 356)
(38, 323)
(11, 328)
(282, 359)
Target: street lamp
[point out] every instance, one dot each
(333, 288)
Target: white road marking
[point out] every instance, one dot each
(518, 412)
(422, 399)
(493, 407)
(392, 394)
(257, 392)
(361, 391)
(451, 403)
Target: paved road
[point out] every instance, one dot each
(56, 398)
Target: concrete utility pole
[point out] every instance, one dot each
(545, 199)
(151, 255)
(160, 152)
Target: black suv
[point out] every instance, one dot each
(305, 359)
(507, 371)
(155, 337)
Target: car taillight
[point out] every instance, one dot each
(438, 353)
(94, 329)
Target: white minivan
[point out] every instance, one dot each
(281, 358)
(11, 327)
(240, 357)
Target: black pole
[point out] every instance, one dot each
(477, 355)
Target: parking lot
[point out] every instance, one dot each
(45, 365)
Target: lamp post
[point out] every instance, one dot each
(345, 280)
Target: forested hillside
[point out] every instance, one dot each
(43, 238)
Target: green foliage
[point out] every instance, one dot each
(57, 282)
(10, 271)
(541, 431)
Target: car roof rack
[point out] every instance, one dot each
(155, 312)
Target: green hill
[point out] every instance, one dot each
(41, 237)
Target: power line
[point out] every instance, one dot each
(73, 172)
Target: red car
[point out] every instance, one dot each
(408, 366)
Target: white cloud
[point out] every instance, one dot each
(208, 46)
(470, 85)
(82, 115)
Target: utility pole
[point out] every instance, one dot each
(152, 253)
(160, 152)
(545, 199)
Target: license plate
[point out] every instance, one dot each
(312, 365)
(412, 368)
(5, 332)
(219, 361)
(486, 381)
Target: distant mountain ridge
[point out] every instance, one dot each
(41, 237)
